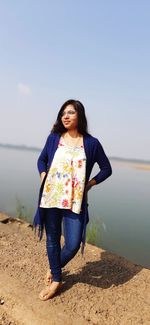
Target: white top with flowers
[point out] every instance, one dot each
(65, 181)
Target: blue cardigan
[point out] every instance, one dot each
(94, 154)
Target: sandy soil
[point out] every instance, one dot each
(99, 288)
(129, 164)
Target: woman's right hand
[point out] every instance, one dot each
(42, 176)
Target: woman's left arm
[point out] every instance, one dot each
(104, 165)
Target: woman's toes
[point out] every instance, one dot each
(43, 294)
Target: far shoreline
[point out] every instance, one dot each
(127, 162)
(143, 166)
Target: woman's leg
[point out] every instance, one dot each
(73, 227)
(53, 219)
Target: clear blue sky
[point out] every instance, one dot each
(95, 51)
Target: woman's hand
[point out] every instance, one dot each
(42, 176)
(90, 184)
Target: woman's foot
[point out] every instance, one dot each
(48, 278)
(50, 291)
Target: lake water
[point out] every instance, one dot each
(119, 206)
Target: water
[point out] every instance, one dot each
(119, 206)
(19, 180)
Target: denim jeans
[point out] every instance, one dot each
(72, 227)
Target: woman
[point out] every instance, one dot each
(65, 165)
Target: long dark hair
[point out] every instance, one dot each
(82, 127)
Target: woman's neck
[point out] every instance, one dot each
(73, 133)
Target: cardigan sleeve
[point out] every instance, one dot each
(43, 158)
(104, 164)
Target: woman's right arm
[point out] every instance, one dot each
(43, 160)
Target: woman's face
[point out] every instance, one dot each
(70, 117)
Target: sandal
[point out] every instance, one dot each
(50, 291)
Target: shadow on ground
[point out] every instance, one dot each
(108, 271)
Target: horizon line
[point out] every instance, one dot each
(32, 148)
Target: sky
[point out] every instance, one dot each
(95, 51)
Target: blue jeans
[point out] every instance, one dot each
(72, 226)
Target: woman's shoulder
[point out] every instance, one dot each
(53, 136)
(92, 138)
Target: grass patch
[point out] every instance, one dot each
(22, 212)
(93, 232)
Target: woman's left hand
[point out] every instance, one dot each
(90, 184)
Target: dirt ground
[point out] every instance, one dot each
(99, 288)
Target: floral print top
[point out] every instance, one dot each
(65, 181)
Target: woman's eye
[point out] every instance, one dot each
(69, 112)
